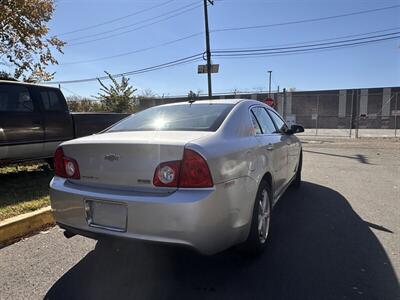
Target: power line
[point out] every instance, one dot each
(241, 54)
(137, 23)
(133, 51)
(271, 53)
(249, 53)
(68, 90)
(162, 66)
(184, 60)
(117, 19)
(200, 33)
(277, 54)
(315, 41)
(304, 46)
(236, 28)
(137, 28)
(306, 20)
(300, 51)
(218, 30)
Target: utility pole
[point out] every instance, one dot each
(208, 51)
(269, 89)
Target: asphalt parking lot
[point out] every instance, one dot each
(335, 238)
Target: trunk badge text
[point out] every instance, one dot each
(111, 157)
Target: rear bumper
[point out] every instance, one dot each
(209, 220)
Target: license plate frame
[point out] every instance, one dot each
(109, 215)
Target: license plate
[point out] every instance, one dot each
(106, 214)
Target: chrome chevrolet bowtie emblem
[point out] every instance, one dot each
(111, 157)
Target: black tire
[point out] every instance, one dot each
(297, 180)
(255, 244)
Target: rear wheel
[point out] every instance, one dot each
(261, 219)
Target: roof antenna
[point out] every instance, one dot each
(192, 97)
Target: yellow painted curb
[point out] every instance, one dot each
(19, 226)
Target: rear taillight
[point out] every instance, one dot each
(191, 172)
(65, 166)
(59, 169)
(194, 171)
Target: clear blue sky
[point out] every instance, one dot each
(372, 65)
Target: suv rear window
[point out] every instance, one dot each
(180, 117)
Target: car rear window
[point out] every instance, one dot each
(181, 117)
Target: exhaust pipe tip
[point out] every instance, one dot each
(68, 234)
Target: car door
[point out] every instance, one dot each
(58, 126)
(291, 142)
(273, 148)
(21, 123)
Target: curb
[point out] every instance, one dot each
(22, 225)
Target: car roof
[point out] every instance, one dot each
(27, 83)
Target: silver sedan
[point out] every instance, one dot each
(203, 174)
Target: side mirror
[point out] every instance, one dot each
(296, 129)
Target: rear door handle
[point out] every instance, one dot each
(36, 122)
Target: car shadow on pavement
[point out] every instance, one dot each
(359, 157)
(319, 248)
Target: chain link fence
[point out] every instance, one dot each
(327, 114)
(338, 113)
(345, 113)
(378, 114)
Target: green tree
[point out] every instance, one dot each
(24, 43)
(118, 97)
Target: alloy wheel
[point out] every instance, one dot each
(264, 213)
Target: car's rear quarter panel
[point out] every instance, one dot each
(233, 157)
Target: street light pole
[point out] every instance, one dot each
(269, 89)
(208, 51)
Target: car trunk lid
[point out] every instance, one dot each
(127, 160)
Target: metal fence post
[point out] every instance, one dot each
(316, 120)
(284, 104)
(357, 113)
(395, 117)
(351, 112)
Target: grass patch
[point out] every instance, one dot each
(23, 188)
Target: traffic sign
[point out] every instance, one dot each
(201, 69)
(269, 101)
